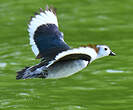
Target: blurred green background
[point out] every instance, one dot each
(106, 84)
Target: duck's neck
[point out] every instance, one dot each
(99, 56)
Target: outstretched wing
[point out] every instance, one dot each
(46, 39)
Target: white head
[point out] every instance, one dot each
(104, 51)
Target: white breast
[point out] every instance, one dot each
(65, 69)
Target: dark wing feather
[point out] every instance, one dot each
(72, 57)
(75, 57)
(49, 41)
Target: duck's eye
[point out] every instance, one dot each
(105, 49)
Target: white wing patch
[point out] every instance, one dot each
(81, 50)
(43, 18)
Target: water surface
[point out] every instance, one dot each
(106, 84)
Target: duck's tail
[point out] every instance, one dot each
(37, 71)
(21, 73)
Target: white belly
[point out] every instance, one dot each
(65, 69)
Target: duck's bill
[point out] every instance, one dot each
(112, 54)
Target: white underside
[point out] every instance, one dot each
(65, 69)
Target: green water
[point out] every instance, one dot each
(106, 84)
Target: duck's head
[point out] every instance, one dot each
(104, 50)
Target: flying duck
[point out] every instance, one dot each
(58, 60)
